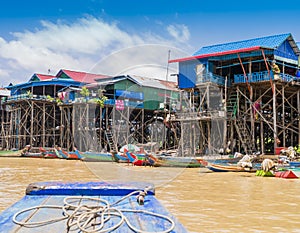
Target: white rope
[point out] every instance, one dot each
(92, 218)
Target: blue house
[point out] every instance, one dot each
(241, 61)
(257, 84)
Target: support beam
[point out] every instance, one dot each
(274, 116)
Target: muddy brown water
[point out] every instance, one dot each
(202, 201)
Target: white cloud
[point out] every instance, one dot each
(80, 46)
(4, 73)
(179, 32)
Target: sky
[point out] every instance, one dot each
(127, 37)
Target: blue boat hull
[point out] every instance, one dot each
(44, 197)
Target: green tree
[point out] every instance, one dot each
(85, 93)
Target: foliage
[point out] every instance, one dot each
(59, 101)
(101, 101)
(29, 94)
(49, 98)
(85, 92)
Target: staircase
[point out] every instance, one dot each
(244, 136)
(111, 142)
(231, 105)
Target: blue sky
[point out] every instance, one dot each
(113, 37)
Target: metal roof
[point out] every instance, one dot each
(155, 83)
(41, 77)
(141, 81)
(4, 92)
(271, 42)
(48, 82)
(81, 76)
(268, 42)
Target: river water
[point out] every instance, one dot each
(202, 201)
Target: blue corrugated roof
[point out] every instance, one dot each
(271, 42)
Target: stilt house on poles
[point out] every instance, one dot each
(88, 111)
(245, 95)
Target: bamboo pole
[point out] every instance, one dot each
(298, 104)
(283, 116)
(274, 115)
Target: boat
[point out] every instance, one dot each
(89, 207)
(11, 153)
(70, 155)
(229, 160)
(228, 168)
(50, 153)
(91, 156)
(120, 157)
(32, 152)
(170, 161)
(294, 163)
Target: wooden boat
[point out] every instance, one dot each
(120, 158)
(132, 158)
(294, 163)
(170, 161)
(71, 155)
(228, 168)
(50, 153)
(225, 160)
(11, 153)
(90, 156)
(33, 154)
(60, 207)
(61, 154)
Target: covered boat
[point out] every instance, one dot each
(89, 207)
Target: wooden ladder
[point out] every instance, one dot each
(111, 142)
(244, 136)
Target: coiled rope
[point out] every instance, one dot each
(92, 218)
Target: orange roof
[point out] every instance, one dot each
(81, 76)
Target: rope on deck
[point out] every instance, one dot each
(92, 218)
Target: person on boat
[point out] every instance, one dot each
(245, 162)
(26, 149)
(268, 165)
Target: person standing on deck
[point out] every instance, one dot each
(276, 70)
(256, 108)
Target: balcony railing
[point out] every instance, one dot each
(262, 76)
(210, 77)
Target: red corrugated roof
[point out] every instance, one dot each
(43, 77)
(82, 76)
(216, 54)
